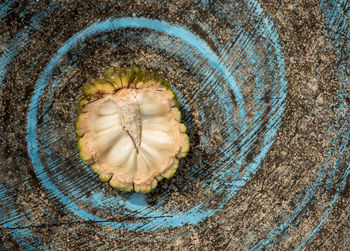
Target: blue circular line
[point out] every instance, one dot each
(196, 213)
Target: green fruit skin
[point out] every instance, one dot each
(85, 155)
(121, 187)
(172, 170)
(185, 148)
(146, 188)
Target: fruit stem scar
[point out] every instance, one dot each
(131, 122)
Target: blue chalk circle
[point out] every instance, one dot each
(154, 217)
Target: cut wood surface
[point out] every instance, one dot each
(262, 87)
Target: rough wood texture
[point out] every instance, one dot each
(263, 87)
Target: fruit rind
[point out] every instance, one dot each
(124, 187)
(170, 172)
(81, 104)
(146, 188)
(78, 125)
(177, 114)
(183, 128)
(105, 177)
(112, 75)
(99, 87)
(185, 147)
(85, 155)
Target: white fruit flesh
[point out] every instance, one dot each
(133, 134)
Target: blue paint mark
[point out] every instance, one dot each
(196, 213)
(14, 218)
(327, 212)
(337, 150)
(338, 24)
(6, 7)
(137, 202)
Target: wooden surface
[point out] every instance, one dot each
(264, 90)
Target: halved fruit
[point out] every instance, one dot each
(129, 129)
